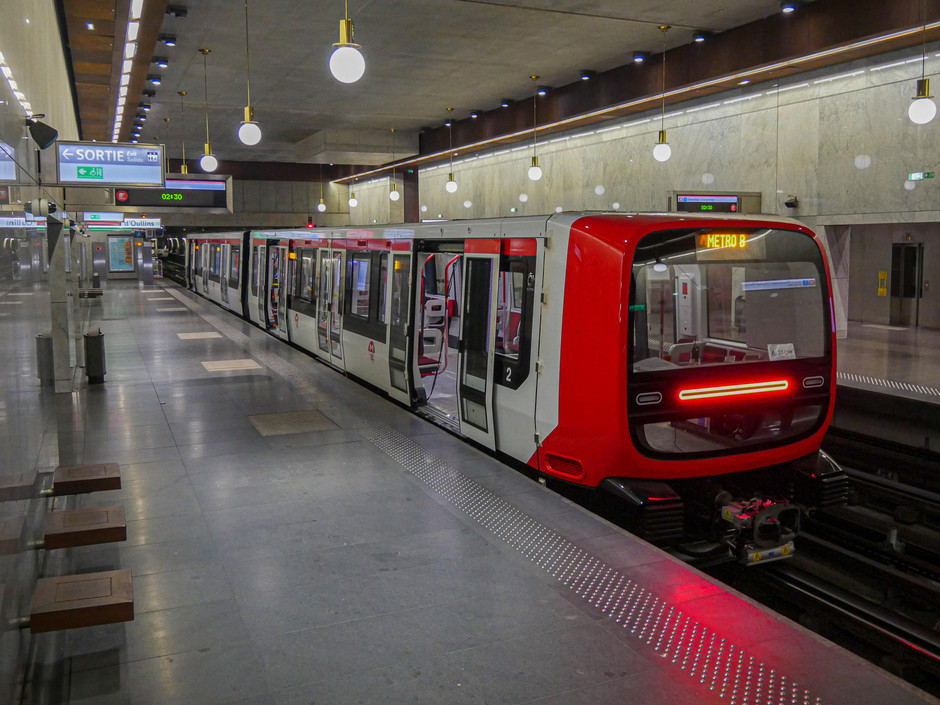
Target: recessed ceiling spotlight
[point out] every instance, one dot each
(155, 79)
(90, 26)
(744, 82)
(640, 56)
(475, 114)
(506, 102)
(161, 61)
(787, 7)
(168, 39)
(700, 36)
(543, 90)
(587, 75)
(176, 10)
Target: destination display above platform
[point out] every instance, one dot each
(99, 164)
(178, 192)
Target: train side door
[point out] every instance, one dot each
(330, 304)
(283, 290)
(476, 356)
(400, 306)
(223, 274)
(262, 285)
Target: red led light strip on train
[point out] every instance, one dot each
(732, 390)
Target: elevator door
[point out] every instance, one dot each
(907, 265)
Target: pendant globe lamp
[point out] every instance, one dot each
(207, 162)
(249, 132)
(346, 62)
(451, 185)
(922, 108)
(535, 171)
(321, 206)
(393, 194)
(183, 169)
(661, 150)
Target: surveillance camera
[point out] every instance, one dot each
(792, 202)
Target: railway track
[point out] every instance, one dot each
(867, 574)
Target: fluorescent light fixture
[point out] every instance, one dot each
(132, 29)
(126, 66)
(137, 7)
(129, 50)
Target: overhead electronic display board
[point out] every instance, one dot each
(100, 164)
(178, 193)
(7, 165)
(707, 203)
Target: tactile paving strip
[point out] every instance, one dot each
(889, 383)
(726, 670)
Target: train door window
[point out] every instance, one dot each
(215, 263)
(383, 286)
(306, 280)
(234, 266)
(336, 304)
(515, 293)
(254, 270)
(197, 260)
(359, 285)
(323, 302)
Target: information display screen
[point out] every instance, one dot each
(121, 254)
(98, 164)
(725, 245)
(707, 203)
(176, 193)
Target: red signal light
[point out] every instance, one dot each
(733, 390)
(310, 221)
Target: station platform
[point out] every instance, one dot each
(902, 362)
(295, 538)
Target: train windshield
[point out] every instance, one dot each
(707, 302)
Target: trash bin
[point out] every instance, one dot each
(94, 356)
(45, 365)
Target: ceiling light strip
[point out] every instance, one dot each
(20, 96)
(127, 65)
(601, 112)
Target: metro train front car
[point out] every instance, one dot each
(722, 334)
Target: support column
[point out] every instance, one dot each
(59, 306)
(839, 237)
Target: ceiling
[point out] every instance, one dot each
(422, 56)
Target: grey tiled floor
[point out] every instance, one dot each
(316, 568)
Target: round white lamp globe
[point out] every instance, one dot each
(394, 195)
(922, 111)
(662, 151)
(535, 172)
(353, 202)
(249, 133)
(208, 162)
(451, 186)
(321, 207)
(347, 64)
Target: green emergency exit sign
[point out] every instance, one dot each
(90, 172)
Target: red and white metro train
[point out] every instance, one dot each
(684, 364)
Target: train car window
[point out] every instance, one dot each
(197, 260)
(304, 282)
(235, 261)
(383, 286)
(514, 306)
(254, 270)
(714, 314)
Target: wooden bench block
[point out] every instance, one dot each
(70, 601)
(84, 527)
(78, 479)
(17, 487)
(11, 530)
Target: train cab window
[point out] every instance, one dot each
(515, 297)
(234, 266)
(254, 270)
(714, 312)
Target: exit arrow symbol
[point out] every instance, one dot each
(67, 153)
